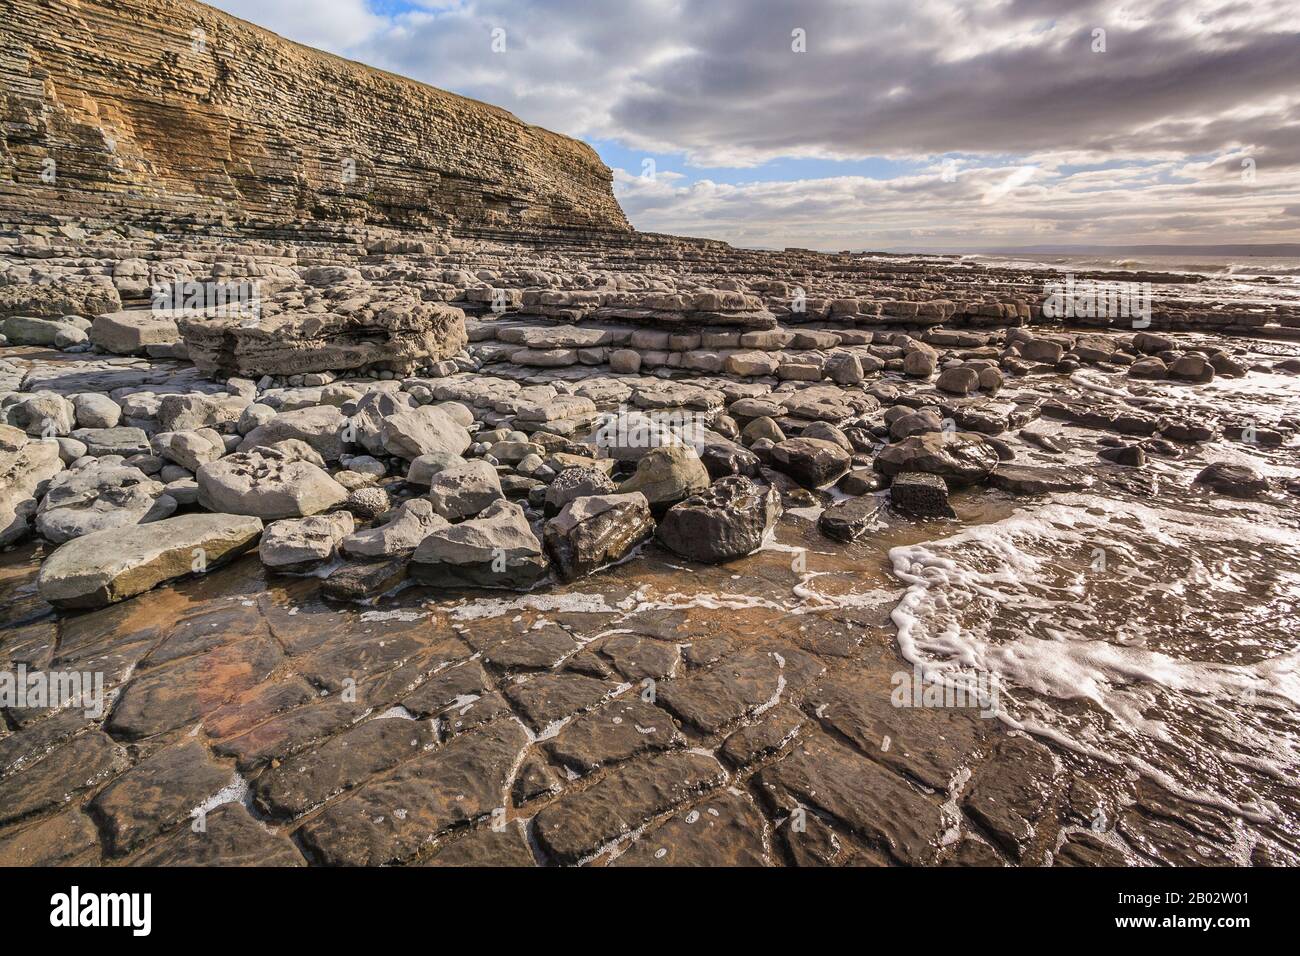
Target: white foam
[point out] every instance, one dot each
(1008, 602)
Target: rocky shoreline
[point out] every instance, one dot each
(421, 562)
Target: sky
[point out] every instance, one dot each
(881, 124)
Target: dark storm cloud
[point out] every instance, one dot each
(1184, 91)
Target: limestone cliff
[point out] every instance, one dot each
(123, 109)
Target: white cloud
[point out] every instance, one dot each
(1010, 85)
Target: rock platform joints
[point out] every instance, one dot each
(469, 377)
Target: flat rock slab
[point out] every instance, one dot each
(229, 837)
(1007, 795)
(69, 838)
(312, 777)
(391, 819)
(738, 686)
(546, 698)
(928, 744)
(870, 800)
(288, 733)
(616, 731)
(486, 846)
(83, 762)
(157, 794)
(112, 565)
(166, 697)
(725, 829)
(577, 825)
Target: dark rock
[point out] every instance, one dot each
(738, 686)
(1009, 793)
(545, 698)
(495, 550)
(615, 731)
(363, 580)
(813, 462)
(639, 657)
(391, 818)
(1131, 456)
(310, 778)
(777, 727)
(917, 493)
(960, 458)
(574, 483)
(597, 530)
(872, 802)
(229, 837)
(486, 846)
(729, 520)
(535, 779)
(1036, 480)
(1236, 481)
(849, 520)
(725, 829)
(861, 481)
(85, 761)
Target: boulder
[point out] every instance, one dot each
(319, 426)
(574, 483)
(124, 441)
(920, 494)
(95, 410)
(43, 414)
(190, 449)
(1235, 481)
(424, 468)
(958, 380)
(186, 412)
(920, 363)
(366, 580)
(109, 566)
(422, 431)
(728, 520)
(24, 473)
(414, 521)
(97, 497)
(1038, 480)
(667, 475)
(33, 330)
(844, 368)
(850, 519)
(267, 483)
(596, 530)
(132, 331)
(1131, 456)
(399, 334)
(495, 550)
(959, 458)
(1192, 368)
(300, 544)
(813, 462)
(465, 489)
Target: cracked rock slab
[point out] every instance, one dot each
(391, 819)
(576, 825)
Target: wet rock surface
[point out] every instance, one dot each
(531, 540)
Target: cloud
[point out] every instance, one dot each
(1181, 94)
(332, 25)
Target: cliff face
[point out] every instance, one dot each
(130, 108)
